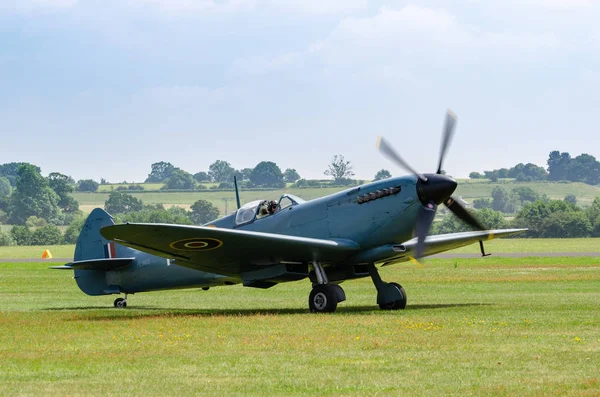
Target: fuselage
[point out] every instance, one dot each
(368, 214)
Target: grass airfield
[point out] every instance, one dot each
(492, 326)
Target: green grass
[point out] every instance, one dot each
(18, 252)
(479, 327)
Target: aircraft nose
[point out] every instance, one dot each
(437, 188)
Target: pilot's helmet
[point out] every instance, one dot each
(273, 204)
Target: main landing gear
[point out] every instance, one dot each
(121, 303)
(324, 297)
(390, 296)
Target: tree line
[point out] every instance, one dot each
(122, 206)
(561, 167)
(544, 218)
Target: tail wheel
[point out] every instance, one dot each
(120, 303)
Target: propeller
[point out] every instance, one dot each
(432, 189)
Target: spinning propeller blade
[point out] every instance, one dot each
(462, 213)
(432, 189)
(424, 221)
(449, 126)
(385, 148)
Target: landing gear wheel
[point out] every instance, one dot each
(120, 303)
(322, 299)
(397, 304)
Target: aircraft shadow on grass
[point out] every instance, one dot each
(150, 311)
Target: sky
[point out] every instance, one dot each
(104, 88)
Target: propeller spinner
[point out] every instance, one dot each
(432, 189)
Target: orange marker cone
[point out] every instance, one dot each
(47, 254)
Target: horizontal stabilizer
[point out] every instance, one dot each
(96, 264)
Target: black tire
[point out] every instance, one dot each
(396, 305)
(120, 303)
(322, 299)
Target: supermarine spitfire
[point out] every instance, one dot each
(343, 236)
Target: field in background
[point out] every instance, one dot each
(468, 189)
(472, 327)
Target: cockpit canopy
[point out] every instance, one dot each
(254, 210)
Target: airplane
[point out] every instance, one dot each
(329, 240)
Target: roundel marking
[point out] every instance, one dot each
(196, 244)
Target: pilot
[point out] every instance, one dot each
(272, 206)
(264, 209)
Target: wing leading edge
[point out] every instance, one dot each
(433, 245)
(226, 251)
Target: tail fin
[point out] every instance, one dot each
(91, 245)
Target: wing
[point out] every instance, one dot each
(226, 251)
(433, 245)
(444, 242)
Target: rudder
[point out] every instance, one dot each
(91, 245)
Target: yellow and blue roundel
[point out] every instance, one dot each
(196, 244)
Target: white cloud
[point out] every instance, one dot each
(397, 43)
(29, 5)
(177, 6)
(312, 7)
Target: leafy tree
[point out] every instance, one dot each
(34, 221)
(500, 199)
(160, 172)
(32, 197)
(221, 171)
(566, 225)
(122, 203)
(245, 173)
(491, 219)
(571, 198)
(475, 175)
(180, 180)
(10, 171)
(304, 183)
(584, 168)
(203, 211)
(267, 174)
(382, 174)
(61, 185)
(158, 214)
(5, 188)
(532, 215)
(557, 165)
(482, 203)
(73, 231)
(87, 185)
(6, 239)
(47, 235)
(290, 175)
(21, 235)
(201, 177)
(525, 194)
(339, 168)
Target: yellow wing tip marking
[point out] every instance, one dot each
(378, 144)
(452, 114)
(416, 262)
